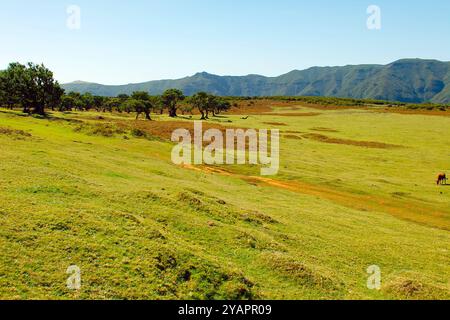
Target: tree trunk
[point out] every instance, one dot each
(38, 109)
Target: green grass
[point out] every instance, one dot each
(140, 227)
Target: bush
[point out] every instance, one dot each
(104, 130)
(138, 133)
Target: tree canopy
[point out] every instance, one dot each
(207, 103)
(31, 87)
(170, 100)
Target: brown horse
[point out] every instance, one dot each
(442, 179)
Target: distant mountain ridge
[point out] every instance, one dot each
(407, 80)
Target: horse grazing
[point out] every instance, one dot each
(442, 179)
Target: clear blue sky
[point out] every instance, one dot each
(133, 41)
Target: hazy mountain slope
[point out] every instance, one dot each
(408, 80)
(443, 96)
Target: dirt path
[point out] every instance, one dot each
(410, 210)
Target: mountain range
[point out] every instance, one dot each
(406, 80)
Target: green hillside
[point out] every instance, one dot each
(409, 80)
(356, 188)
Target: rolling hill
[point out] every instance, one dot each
(355, 190)
(407, 80)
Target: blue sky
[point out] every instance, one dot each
(134, 41)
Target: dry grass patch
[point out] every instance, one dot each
(164, 129)
(303, 274)
(293, 137)
(414, 289)
(365, 144)
(15, 134)
(257, 107)
(296, 114)
(422, 112)
(99, 129)
(321, 129)
(278, 124)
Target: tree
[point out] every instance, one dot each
(147, 104)
(38, 88)
(140, 95)
(14, 86)
(186, 108)
(157, 104)
(111, 104)
(170, 99)
(78, 103)
(200, 101)
(31, 86)
(3, 88)
(98, 103)
(87, 101)
(56, 97)
(212, 105)
(222, 106)
(123, 97)
(137, 106)
(206, 103)
(67, 103)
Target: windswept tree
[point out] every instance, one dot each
(32, 87)
(147, 105)
(157, 104)
(200, 101)
(186, 107)
(221, 106)
(208, 103)
(137, 106)
(170, 100)
(212, 105)
(111, 104)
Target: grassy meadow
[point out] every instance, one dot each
(356, 188)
